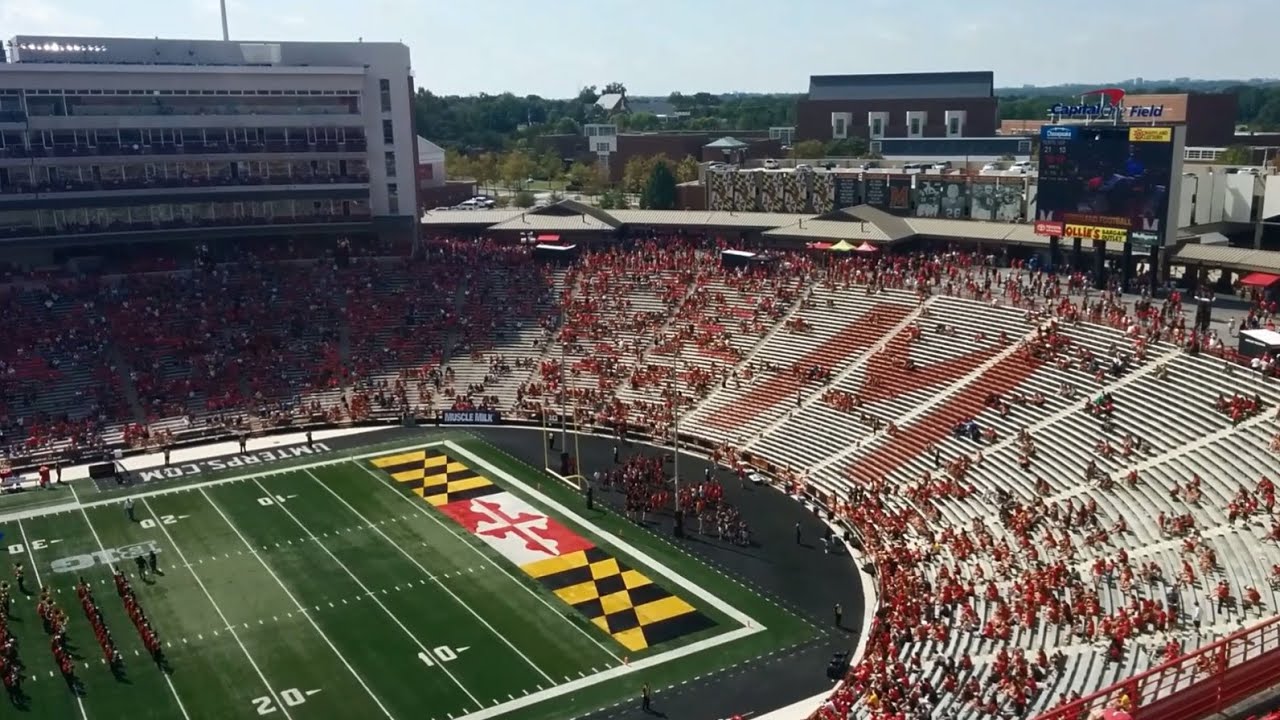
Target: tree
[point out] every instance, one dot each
(614, 87)
(516, 168)
(660, 191)
(580, 176)
(612, 199)
(688, 169)
(567, 126)
(588, 95)
(550, 166)
(846, 147)
(485, 169)
(523, 199)
(457, 165)
(808, 150)
(1236, 155)
(635, 173)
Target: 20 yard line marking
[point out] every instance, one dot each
(103, 548)
(371, 594)
(295, 602)
(423, 510)
(35, 570)
(429, 575)
(214, 603)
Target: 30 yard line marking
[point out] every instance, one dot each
(429, 575)
(35, 570)
(103, 548)
(370, 593)
(420, 508)
(295, 602)
(212, 602)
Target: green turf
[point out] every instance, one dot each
(318, 592)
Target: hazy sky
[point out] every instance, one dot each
(553, 47)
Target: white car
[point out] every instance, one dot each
(771, 164)
(1021, 166)
(804, 167)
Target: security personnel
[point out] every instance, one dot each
(645, 699)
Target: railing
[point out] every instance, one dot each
(1195, 685)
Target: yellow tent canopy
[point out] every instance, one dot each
(842, 246)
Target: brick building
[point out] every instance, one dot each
(905, 105)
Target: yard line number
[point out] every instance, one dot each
(293, 697)
(149, 524)
(442, 654)
(275, 500)
(19, 548)
(105, 556)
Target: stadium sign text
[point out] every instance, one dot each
(232, 462)
(1111, 105)
(1091, 232)
(470, 417)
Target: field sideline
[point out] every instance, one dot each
(325, 589)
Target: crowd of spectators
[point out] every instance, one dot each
(644, 333)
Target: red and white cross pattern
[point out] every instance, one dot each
(518, 531)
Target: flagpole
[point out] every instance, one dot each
(546, 453)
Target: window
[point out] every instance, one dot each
(876, 122)
(602, 147)
(384, 93)
(915, 127)
(953, 125)
(391, 163)
(388, 132)
(839, 125)
(393, 198)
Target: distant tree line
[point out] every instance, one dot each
(500, 123)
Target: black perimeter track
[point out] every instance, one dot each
(798, 576)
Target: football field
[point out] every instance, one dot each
(436, 580)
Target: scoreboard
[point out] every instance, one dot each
(1106, 182)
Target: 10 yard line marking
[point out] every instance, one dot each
(298, 605)
(487, 559)
(35, 570)
(368, 592)
(182, 557)
(428, 573)
(103, 548)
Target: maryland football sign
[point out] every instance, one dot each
(615, 597)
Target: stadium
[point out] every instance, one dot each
(277, 443)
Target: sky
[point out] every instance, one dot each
(554, 47)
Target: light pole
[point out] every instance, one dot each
(564, 390)
(675, 465)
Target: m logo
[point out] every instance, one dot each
(1151, 224)
(899, 197)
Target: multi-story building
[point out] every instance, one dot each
(904, 105)
(101, 137)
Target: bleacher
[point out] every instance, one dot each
(980, 437)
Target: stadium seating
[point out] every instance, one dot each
(1002, 456)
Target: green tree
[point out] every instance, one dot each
(612, 199)
(580, 176)
(516, 168)
(688, 169)
(550, 166)
(636, 173)
(808, 150)
(660, 190)
(614, 87)
(846, 147)
(485, 169)
(1236, 155)
(523, 199)
(567, 126)
(457, 165)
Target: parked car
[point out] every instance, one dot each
(804, 167)
(771, 164)
(868, 165)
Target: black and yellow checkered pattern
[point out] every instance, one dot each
(435, 477)
(619, 600)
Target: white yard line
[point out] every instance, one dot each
(372, 596)
(420, 507)
(433, 578)
(292, 599)
(35, 570)
(103, 548)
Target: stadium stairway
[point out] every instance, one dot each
(859, 364)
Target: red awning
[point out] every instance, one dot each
(866, 247)
(819, 245)
(1259, 279)
(548, 238)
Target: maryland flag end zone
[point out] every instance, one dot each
(616, 598)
